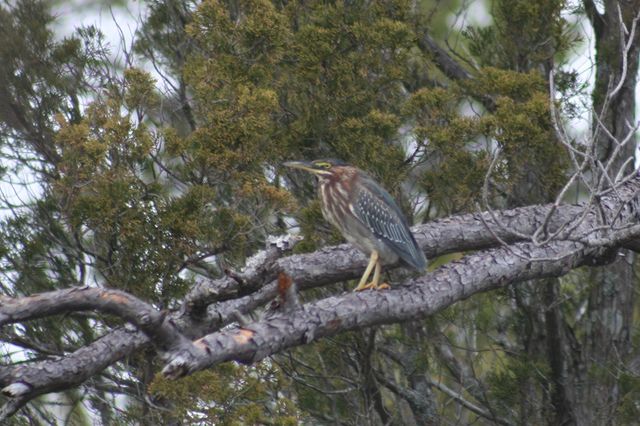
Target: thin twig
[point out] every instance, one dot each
(625, 48)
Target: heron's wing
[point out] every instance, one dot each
(378, 211)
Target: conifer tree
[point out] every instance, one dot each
(141, 197)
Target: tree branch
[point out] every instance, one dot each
(592, 241)
(414, 298)
(145, 317)
(449, 66)
(467, 404)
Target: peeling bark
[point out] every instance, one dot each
(592, 240)
(611, 300)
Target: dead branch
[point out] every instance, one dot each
(415, 297)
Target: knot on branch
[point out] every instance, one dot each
(259, 269)
(17, 389)
(287, 299)
(176, 368)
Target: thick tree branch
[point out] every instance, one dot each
(413, 299)
(449, 66)
(344, 262)
(456, 281)
(145, 317)
(29, 380)
(592, 240)
(41, 305)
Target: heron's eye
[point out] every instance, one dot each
(323, 165)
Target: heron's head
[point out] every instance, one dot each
(321, 168)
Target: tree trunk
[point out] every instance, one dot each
(606, 345)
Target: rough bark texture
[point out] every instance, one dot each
(612, 298)
(410, 300)
(590, 242)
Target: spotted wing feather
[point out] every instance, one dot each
(378, 211)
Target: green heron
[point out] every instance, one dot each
(367, 216)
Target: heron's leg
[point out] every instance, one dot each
(376, 279)
(373, 260)
(376, 276)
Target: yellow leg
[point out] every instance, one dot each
(376, 279)
(373, 260)
(376, 276)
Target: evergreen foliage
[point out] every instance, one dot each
(143, 175)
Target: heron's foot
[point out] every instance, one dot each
(373, 286)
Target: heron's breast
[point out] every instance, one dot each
(334, 202)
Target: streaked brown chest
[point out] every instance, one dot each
(334, 192)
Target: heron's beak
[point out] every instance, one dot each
(302, 165)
